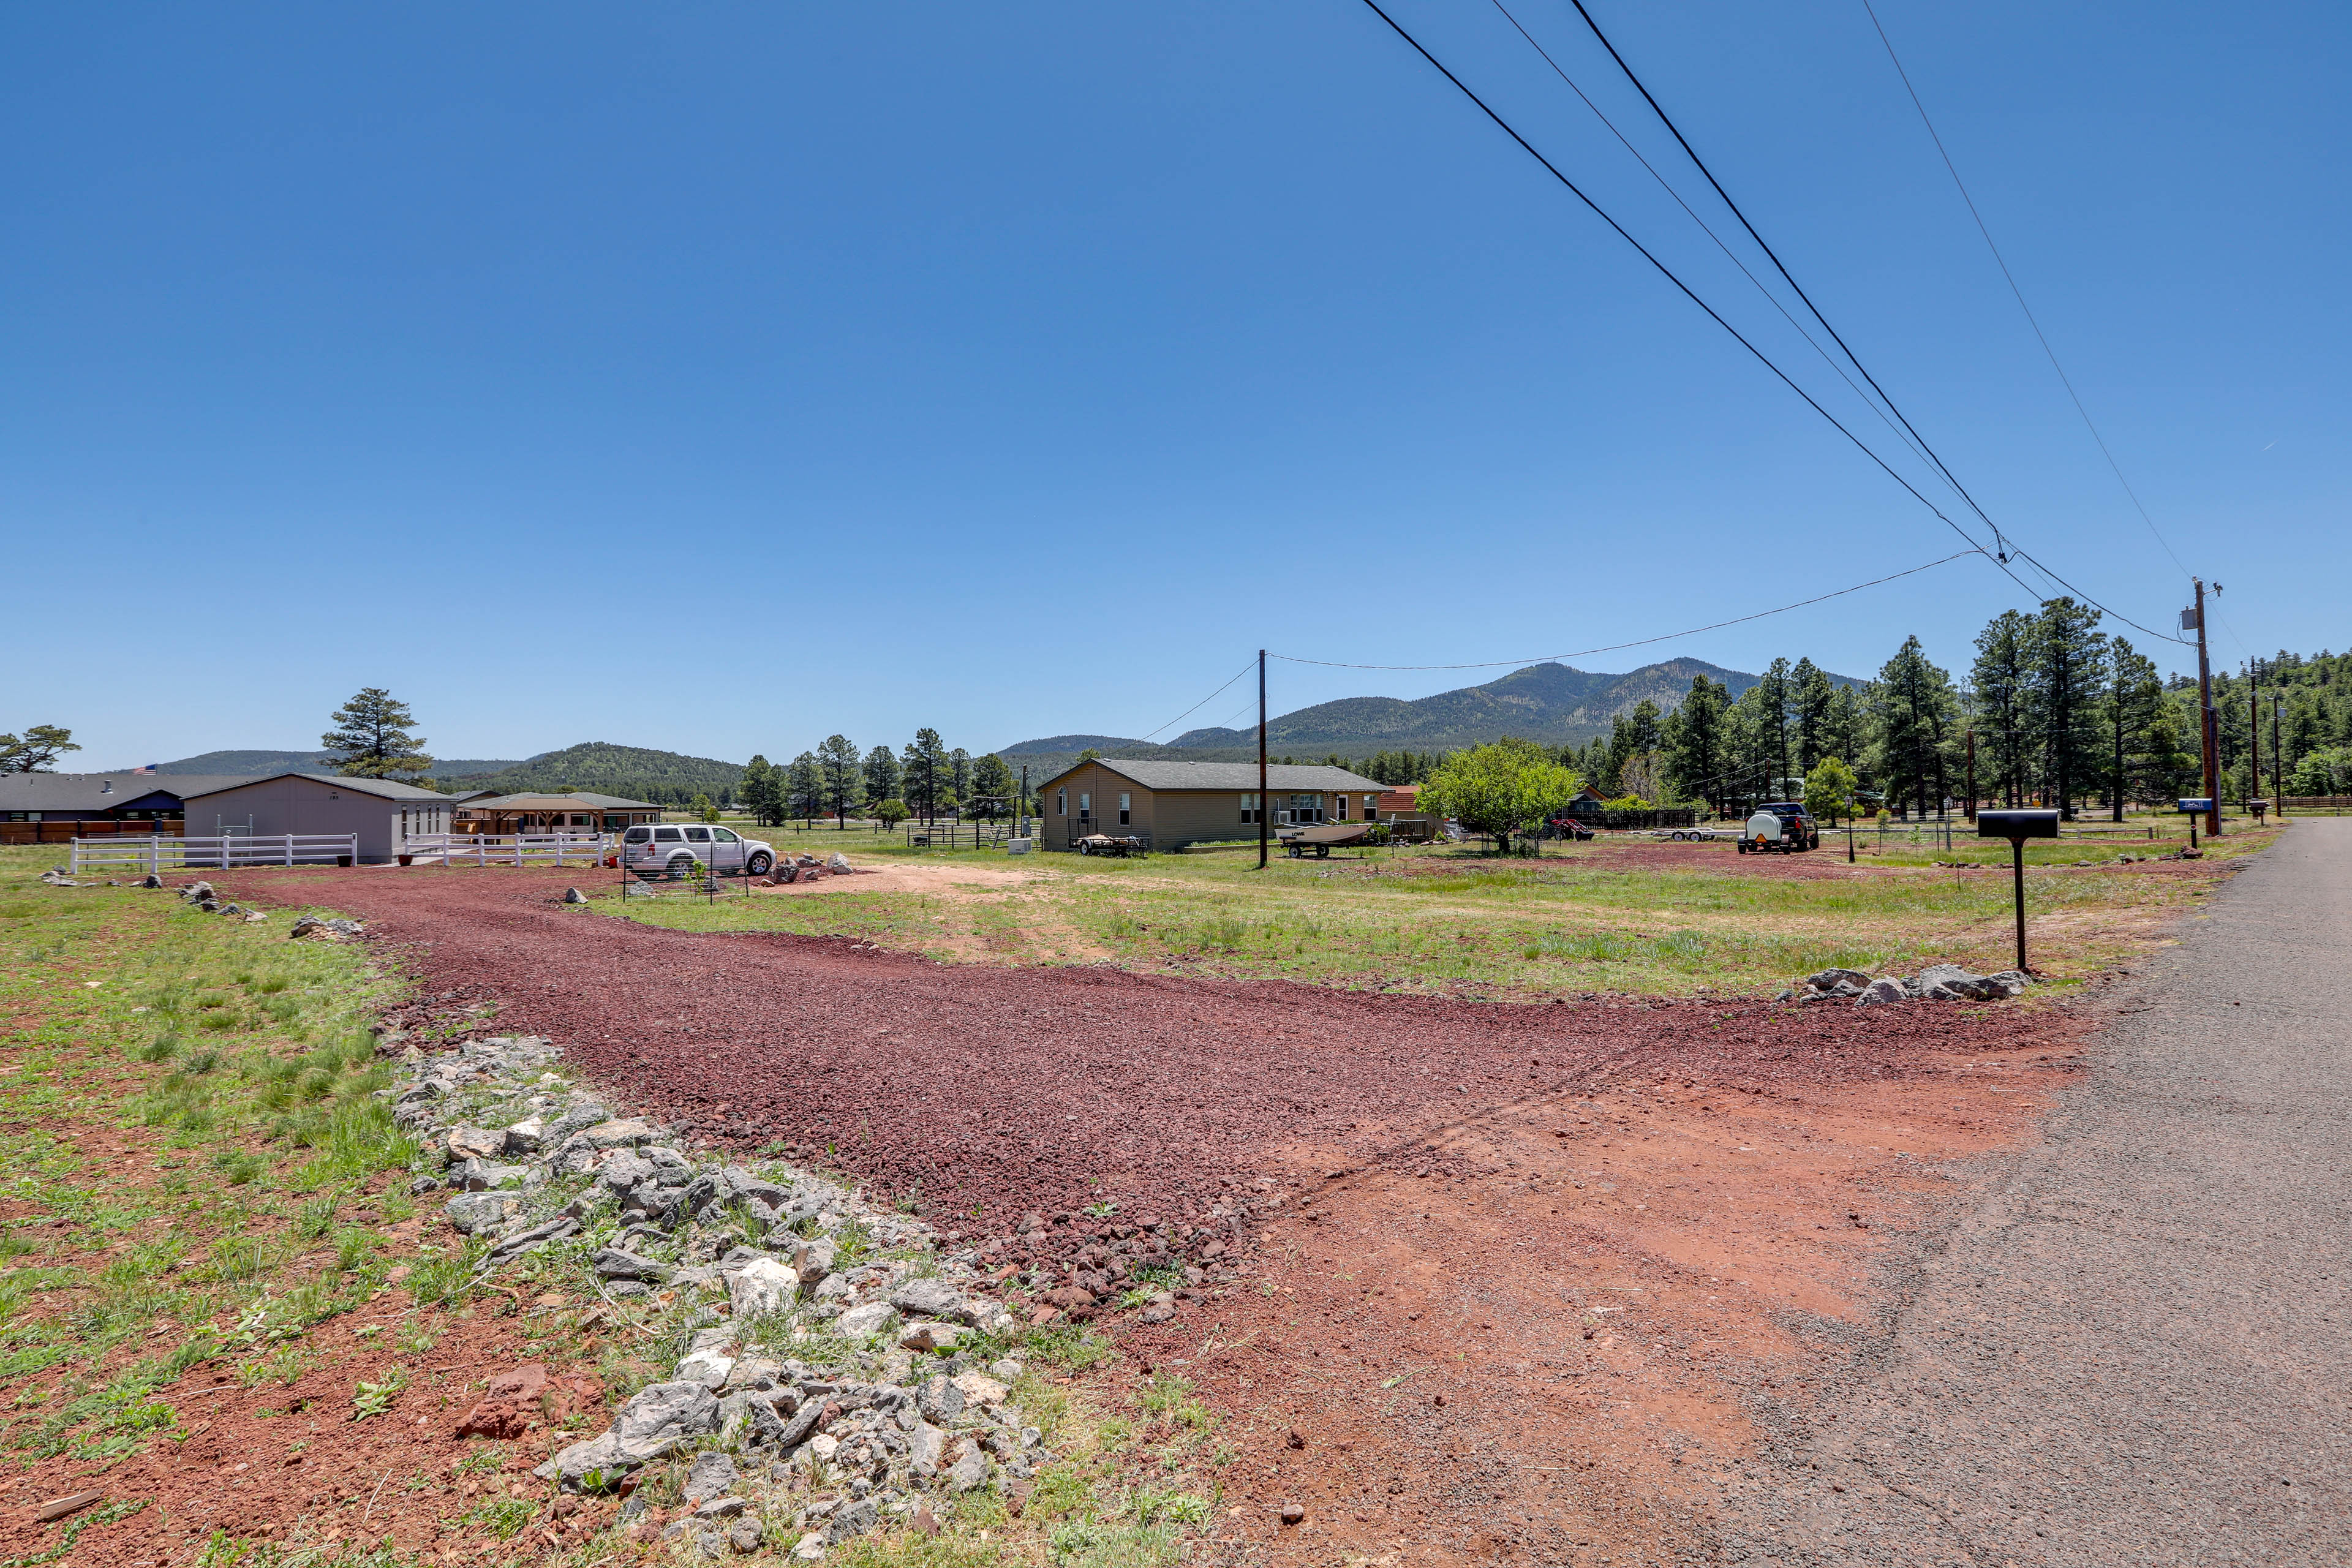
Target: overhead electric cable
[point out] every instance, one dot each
(1196, 707)
(1645, 642)
(1999, 260)
(1729, 255)
(1668, 273)
(1667, 121)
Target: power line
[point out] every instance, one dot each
(1642, 642)
(1668, 273)
(2018, 293)
(1667, 186)
(1774, 256)
(1196, 707)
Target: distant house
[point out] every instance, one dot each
(1590, 806)
(577, 812)
(383, 814)
(152, 801)
(1174, 803)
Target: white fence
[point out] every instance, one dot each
(159, 853)
(505, 848)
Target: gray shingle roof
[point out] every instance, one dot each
(1238, 776)
(531, 798)
(384, 788)
(103, 792)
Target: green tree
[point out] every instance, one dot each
(371, 739)
(1829, 791)
(1500, 788)
(2170, 763)
(702, 809)
(926, 762)
(883, 777)
(760, 791)
(959, 773)
(1693, 736)
(805, 788)
(993, 786)
(2068, 658)
(1773, 692)
(2003, 682)
(838, 758)
(36, 749)
(2324, 771)
(1913, 704)
(890, 813)
(2135, 691)
(1811, 697)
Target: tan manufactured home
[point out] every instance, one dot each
(1169, 804)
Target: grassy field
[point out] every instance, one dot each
(1614, 916)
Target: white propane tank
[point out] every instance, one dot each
(1764, 826)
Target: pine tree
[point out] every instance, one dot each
(2135, 691)
(2002, 680)
(1771, 721)
(992, 783)
(1912, 705)
(925, 763)
(758, 789)
(1812, 694)
(959, 773)
(1693, 737)
(883, 777)
(843, 785)
(371, 739)
(805, 788)
(2067, 656)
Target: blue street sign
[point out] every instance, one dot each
(2196, 806)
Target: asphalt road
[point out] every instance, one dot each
(2136, 1347)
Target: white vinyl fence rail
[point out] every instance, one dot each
(160, 854)
(505, 848)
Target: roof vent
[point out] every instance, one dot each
(106, 788)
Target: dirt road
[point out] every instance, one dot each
(2136, 1346)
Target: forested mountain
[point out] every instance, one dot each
(257, 763)
(635, 772)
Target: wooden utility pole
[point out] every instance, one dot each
(2208, 732)
(2253, 728)
(1972, 773)
(1261, 760)
(2278, 775)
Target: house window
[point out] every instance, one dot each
(1303, 809)
(1250, 813)
(1061, 803)
(1124, 803)
(1343, 808)
(1371, 806)
(1086, 806)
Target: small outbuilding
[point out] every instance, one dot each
(577, 811)
(382, 814)
(1169, 804)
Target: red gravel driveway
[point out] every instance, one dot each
(986, 1093)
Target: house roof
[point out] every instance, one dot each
(1239, 776)
(104, 792)
(543, 800)
(382, 788)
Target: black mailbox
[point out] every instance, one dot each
(2017, 825)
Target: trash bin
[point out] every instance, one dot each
(343, 861)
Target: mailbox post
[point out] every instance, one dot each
(2194, 806)
(2016, 827)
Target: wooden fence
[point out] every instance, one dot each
(2317, 803)
(159, 854)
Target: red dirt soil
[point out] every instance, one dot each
(1007, 1091)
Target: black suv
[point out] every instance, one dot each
(1798, 829)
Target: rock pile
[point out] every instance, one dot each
(312, 928)
(847, 1385)
(806, 868)
(1937, 983)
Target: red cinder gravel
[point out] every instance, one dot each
(1003, 1092)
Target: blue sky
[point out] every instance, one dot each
(719, 377)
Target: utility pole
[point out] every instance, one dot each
(2253, 728)
(1021, 806)
(1261, 759)
(2278, 776)
(2208, 733)
(1972, 773)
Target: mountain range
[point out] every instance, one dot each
(637, 772)
(1556, 703)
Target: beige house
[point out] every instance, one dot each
(383, 814)
(576, 812)
(1169, 804)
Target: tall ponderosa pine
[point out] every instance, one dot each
(1692, 740)
(883, 777)
(2003, 681)
(371, 739)
(843, 785)
(1913, 703)
(1773, 692)
(2068, 657)
(925, 763)
(758, 790)
(993, 788)
(2135, 691)
(805, 787)
(1811, 697)
(959, 774)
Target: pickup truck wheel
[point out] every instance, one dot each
(759, 865)
(681, 865)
